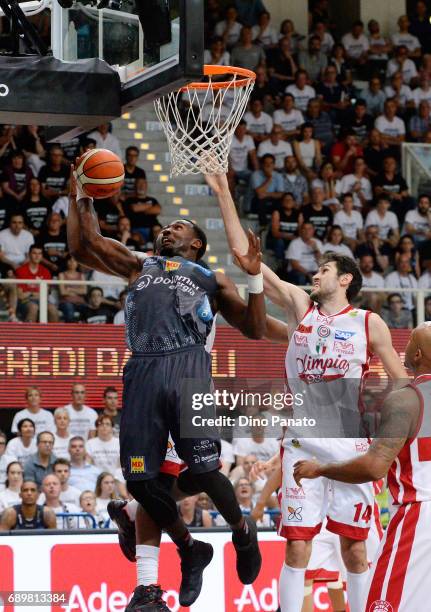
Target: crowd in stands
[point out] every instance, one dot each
(68, 462)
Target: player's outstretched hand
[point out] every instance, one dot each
(257, 512)
(306, 469)
(260, 470)
(217, 182)
(251, 261)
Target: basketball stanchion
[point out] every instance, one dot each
(199, 120)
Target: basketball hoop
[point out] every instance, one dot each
(199, 119)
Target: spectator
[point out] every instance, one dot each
(142, 210)
(374, 96)
(54, 177)
(285, 222)
(424, 281)
(281, 65)
(111, 291)
(350, 221)
(27, 514)
(263, 32)
(392, 185)
(105, 492)
(262, 446)
(420, 26)
(119, 316)
(95, 311)
(321, 122)
(374, 153)
(358, 185)
(132, 172)
(32, 144)
(229, 29)
(302, 256)
(320, 216)
(53, 241)
(403, 64)
(4, 211)
(249, 11)
(379, 49)
(379, 250)
(294, 182)
(82, 417)
(105, 139)
(5, 459)
(265, 90)
(287, 30)
(312, 60)
(192, 515)
(267, 187)
(7, 141)
(217, 54)
(83, 475)
(246, 54)
(356, 45)
(330, 185)
(16, 179)
(395, 315)
(244, 492)
(335, 242)
(62, 435)
(204, 502)
(371, 280)
(108, 212)
(242, 155)
(392, 129)
(359, 121)
(124, 234)
(28, 294)
(402, 278)
(417, 222)
(404, 38)
(51, 488)
(35, 207)
(259, 124)
(104, 449)
(308, 152)
(110, 407)
(333, 95)
(87, 501)
(38, 465)
(400, 92)
(15, 242)
(344, 153)
(275, 146)
(71, 296)
(326, 39)
(24, 445)
(385, 220)
(342, 65)
(423, 92)
(289, 118)
(406, 245)
(419, 123)
(69, 494)
(227, 458)
(301, 92)
(428, 309)
(42, 419)
(14, 479)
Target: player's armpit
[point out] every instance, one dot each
(381, 345)
(249, 318)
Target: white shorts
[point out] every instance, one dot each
(347, 507)
(399, 576)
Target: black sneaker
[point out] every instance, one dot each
(126, 528)
(248, 557)
(147, 599)
(193, 562)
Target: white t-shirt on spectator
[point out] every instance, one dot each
(239, 151)
(341, 249)
(303, 253)
(288, 121)
(267, 37)
(408, 70)
(227, 455)
(70, 496)
(110, 142)
(104, 455)
(405, 94)
(16, 448)
(81, 421)
(399, 281)
(419, 222)
(43, 420)
(388, 222)
(258, 125)
(15, 248)
(61, 447)
(373, 281)
(119, 318)
(280, 151)
(61, 206)
(113, 290)
(355, 47)
(8, 498)
(301, 96)
(407, 40)
(425, 281)
(66, 522)
(223, 61)
(347, 183)
(326, 43)
(396, 127)
(350, 224)
(420, 94)
(263, 451)
(234, 32)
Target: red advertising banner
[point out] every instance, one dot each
(53, 356)
(6, 574)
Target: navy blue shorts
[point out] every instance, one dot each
(156, 402)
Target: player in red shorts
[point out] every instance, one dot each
(402, 450)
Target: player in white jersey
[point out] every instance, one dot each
(402, 450)
(336, 283)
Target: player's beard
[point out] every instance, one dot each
(315, 295)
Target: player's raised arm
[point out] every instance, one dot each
(286, 295)
(381, 345)
(400, 414)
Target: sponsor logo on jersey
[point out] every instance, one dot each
(346, 348)
(361, 447)
(353, 313)
(137, 465)
(381, 605)
(314, 369)
(300, 340)
(295, 492)
(321, 346)
(183, 283)
(323, 331)
(295, 514)
(170, 451)
(324, 319)
(150, 261)
(304, 329)
(296, 443)
(171, 265)
(341, 334)
(204, 311)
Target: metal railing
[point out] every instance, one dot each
(419, 294)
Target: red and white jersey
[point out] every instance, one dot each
(409, 478)
(326, 348)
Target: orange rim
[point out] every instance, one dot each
(213, 70)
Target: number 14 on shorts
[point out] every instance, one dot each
(362, 513)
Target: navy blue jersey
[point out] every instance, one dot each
(169, 306)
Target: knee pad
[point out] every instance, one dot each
(154, 496)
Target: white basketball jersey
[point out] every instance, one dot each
(409, 478)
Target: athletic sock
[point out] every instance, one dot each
(130, 508)
(241, 534)
(291, 588)
(147, 564)
(184, 542)
(356, 590)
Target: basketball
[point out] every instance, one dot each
(100, 173)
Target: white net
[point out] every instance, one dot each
(199, 123)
